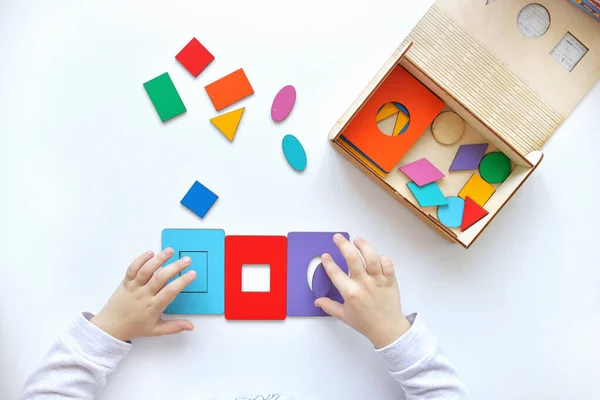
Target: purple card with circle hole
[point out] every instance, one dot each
(302, 248)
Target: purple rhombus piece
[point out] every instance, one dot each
(468, 157)
(302, 248)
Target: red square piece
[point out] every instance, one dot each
(244, 250)
(194, 57)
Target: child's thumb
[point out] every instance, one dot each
(331, 307)
(172, 327)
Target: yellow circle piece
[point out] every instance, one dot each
(448, 127)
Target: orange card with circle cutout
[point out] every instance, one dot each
(422, 105)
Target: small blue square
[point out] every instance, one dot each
(200, 245)
(200, 265)
(199, 199)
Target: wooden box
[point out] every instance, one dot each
(512, 91)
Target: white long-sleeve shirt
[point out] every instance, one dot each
(78, 363)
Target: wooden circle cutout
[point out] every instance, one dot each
(533, 20)
(448, 127)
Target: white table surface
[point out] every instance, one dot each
(90, 177)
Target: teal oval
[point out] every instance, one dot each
(294, 152)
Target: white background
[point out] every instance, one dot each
(90, 177)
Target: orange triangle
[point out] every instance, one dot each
(228, 123)
(473, 212)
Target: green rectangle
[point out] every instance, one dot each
(164, 97)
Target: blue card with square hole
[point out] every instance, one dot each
(206, 248)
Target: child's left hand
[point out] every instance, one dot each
(135, 309)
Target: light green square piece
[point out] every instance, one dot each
(164, 97)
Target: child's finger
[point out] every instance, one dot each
(387, 267)
(172, 327)
(163, 275)
(338, 277)
(135, 266)
(167, 294)
(152, 265)
(331, 307)
(355, 263)
(371, 258)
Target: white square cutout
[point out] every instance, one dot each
(569, 51)
(256, 278)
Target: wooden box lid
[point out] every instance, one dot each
(475, 52)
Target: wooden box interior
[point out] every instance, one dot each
(441, 156)
(507, 87)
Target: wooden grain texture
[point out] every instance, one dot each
(495, 28)
(512, 85)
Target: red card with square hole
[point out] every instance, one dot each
(244, 250)
(194, 57)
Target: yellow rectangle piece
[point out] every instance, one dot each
(477, 189)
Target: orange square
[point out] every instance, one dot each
(229, 89)
(422, 105)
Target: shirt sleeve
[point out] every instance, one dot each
(77, 364)
(416, 361)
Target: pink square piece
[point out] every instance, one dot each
(422, 172)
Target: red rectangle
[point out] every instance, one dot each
(240, 250)
(229, 89)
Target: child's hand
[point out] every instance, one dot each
(135, 309)
(371, 298)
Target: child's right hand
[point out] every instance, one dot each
(135, 309)
(371, 297)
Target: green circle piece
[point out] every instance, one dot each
(494, 167)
